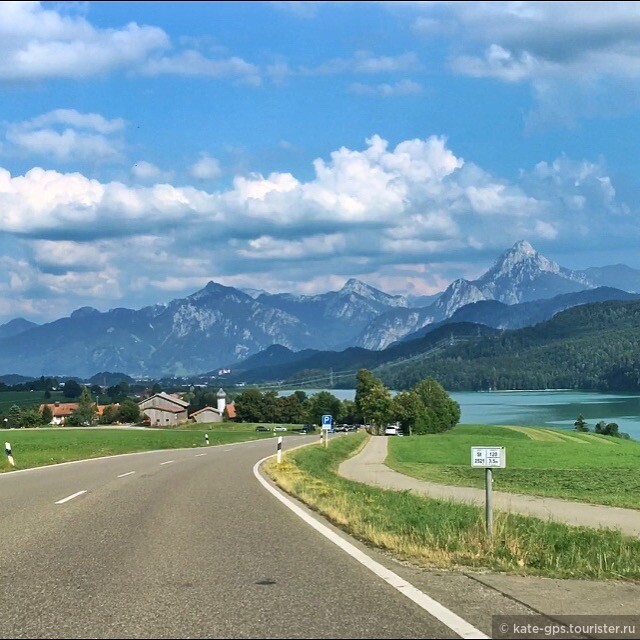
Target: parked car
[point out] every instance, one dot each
(262, 428)
(280, 428)
(392, 431)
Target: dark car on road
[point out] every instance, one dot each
(262, 428)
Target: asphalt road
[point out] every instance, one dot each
(188, 544)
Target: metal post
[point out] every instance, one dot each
(326, 438)
(488, 490)
(279, 454)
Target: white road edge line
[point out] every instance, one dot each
(122, 475)
(71, 497)
(167, 462)
(433, 607)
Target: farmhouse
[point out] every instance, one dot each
(209, 414)
(164, 410)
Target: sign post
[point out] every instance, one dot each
(488, 458)
(327, 421)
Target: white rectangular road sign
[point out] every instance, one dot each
(489, 457)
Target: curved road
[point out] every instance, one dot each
(188, 544)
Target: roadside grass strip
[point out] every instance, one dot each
(565, 469)
(444, 534)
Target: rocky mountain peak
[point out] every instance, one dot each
(519, 258)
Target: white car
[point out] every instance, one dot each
(280, 428)
(392, 431)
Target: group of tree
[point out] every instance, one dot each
(602, 427)
(427, 408)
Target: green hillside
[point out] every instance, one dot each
(591, 347)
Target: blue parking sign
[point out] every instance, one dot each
(326, 421)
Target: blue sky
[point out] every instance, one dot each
(147, 148)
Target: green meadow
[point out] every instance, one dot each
(540, 461)
(445, 534)
(37, 447)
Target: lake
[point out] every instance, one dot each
(539, 408)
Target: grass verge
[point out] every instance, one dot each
(435, 533)
(544, 462)
(38, 447)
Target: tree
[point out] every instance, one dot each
(250, 406)
(129, 411)
(47, 415)
(373, 401)
(408, 410)
(109, 414)
(86, 411)
(580, 424)
(441, 412)
(14, 416)
(47, 394)
(365, 382)
(322, 403)
(30, 418)
(71, 389)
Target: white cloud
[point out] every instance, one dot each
(400, 88)
(565, 50)
(68, 135)
(147, 171)
(365, 62)
(380, 210)
(206, 168)
(193, 63)
(38, 43)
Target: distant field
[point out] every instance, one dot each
(540, 461)
(26, 399)
(37, 447)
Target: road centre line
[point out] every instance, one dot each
(167, 462)
(122, 475)
(200, 454)
(71, 497)
(457, 624)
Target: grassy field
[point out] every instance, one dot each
(26, 399)
(37, 447)
(435, 533)
(540, 461)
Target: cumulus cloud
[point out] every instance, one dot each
(206, 168)
(38, 43)
(556, 46)
(381, 212)
(147, 171)
(68, 135)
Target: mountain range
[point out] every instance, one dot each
(221, 326)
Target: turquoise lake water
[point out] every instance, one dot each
(540, 408)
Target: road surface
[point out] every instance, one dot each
(188, 544)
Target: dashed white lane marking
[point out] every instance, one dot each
(122, 475)
(199, 454)
(457, 624)
(71, 497)
(167, 462)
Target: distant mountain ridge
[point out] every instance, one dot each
(519, 275)
(221, 326)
